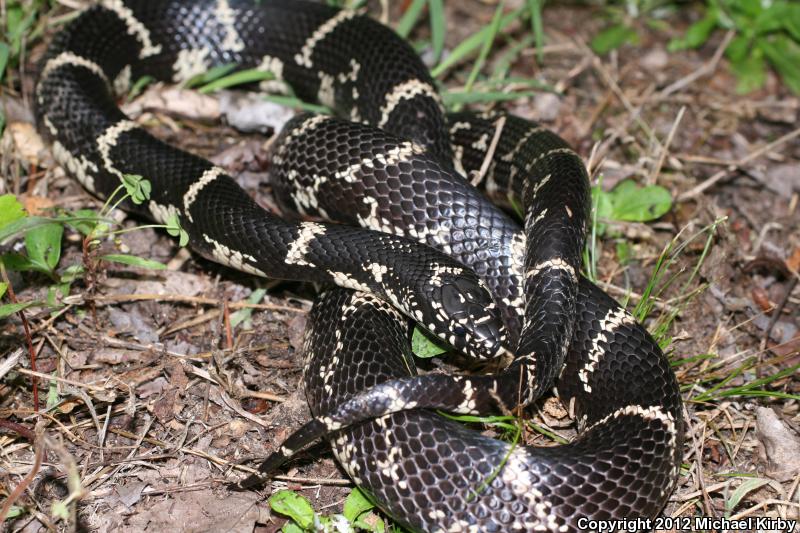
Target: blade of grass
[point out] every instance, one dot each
(237, 78)
(438, 27)
(472, 43)
(410, 18)
(535, 7)
(488, 40)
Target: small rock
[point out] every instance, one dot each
(781, 445)
(546, 107)
(655, 60)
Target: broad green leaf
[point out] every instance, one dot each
(18, 262)
(356, 504)
(15, 512)
(633, 203)
(738, 48)
(132, 260)
(83, 220)
(424, 346)
(243, 315)
(10, 309)
(137, 187)
(370, 522)
(291, 527)
(10, 210)
(784, 55)
(175, 229)
(293, 505)
(751, 73)
(43, 245)
(613, 37)
(698, 33)
(60, 510)
(791, 23)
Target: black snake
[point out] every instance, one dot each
(443, 255)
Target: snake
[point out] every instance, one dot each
(470, 225)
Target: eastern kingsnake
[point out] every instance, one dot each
(429, 473)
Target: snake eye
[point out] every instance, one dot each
(459, 331)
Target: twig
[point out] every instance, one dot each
(28, 338)
(77, 299)
(665, 150)
(705, 70)
(487, 160)
(60, 380)
(699, 188)
(26, 481)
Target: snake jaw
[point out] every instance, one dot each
(470, 319)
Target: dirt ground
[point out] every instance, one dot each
(161, 401)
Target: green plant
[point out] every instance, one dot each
(766, 33)
(42, 241)
(356, 514)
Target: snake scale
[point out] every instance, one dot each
(405, 236)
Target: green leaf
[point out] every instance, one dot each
(613, 37)
(237, 78)
(138, 86)
(52, 394)
(474, 42)
(60, 509)
(137, 187)
(751, 73)
(4, 53)
(293, 505)
(748, 486)
(15, 512)
(633, 203)
(535, 8)
(291, 527)
(43, 245)
(698, 33)
(370, 522)
(83, 220)
(3, 288)
(791, 22)
(356, 504)
(10, 210)
(175, 229)
(438, 27)
(410, 17)
(210, 75)
(243, 315)
(10, 309)
(423, 345)
(738, 48)
(784, 55)
(134, 261)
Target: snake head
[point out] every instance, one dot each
(464, 313)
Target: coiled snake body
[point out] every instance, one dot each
(442, 255)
